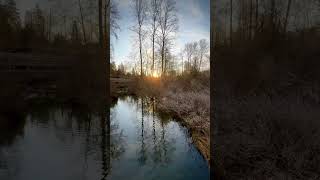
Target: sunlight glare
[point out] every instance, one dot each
(155, 75)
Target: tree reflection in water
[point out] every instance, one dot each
(89, 143)
(11, 128)
(142, 154)
(160, 144)
(69, 125)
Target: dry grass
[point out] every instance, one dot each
(267, 137)
(190, 102)
(266, 111)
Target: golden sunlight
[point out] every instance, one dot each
(155, 75)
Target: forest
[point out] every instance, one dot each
(52, 44)
(265, 61)
(56, 24)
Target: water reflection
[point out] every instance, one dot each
(142, 153)
(157, 147)
(130, 141)
(60, 142)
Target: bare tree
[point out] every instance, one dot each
(231, 10)
(225, 23)
(155, 10)
(82, 22)
(273, 14)
(203, 50)
(188, 51)
(250, 17)
(106, 4)
(195, 55)
(114, 17)
(191, 50)
(181, 54)
(168, 22)
(50, 25)
(257, 16)
(287, 16)
(140, 8)
(100, 23)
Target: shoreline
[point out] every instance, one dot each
(190, 107)
(199, 136)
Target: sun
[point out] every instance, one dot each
(155, 75)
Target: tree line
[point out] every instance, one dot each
(59, 23)
(245, 20)
(258, 42)
(156, 26)
(193, 58)
(195, 54)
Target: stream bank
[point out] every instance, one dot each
(187, 100)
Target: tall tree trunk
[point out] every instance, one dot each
(250, 19)
(107, 33)
(162, 57)
(50, 25)
(200, 61)
(231, 31)
(182, 65)
(287, 16)
(153, 37)
(213, 37)
(225, 27)
(257, 14)
(104, 43)
(165, 64)
(105, 18)
(100, 24)
(82, 23)
(154, 28)
(140, 48)
(91, 31)
(273, 9)
(65, 26)
(241, 20)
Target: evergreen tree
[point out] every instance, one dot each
(39, 21)
(9, 24)
(12, 13)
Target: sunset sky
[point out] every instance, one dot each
(194, 24)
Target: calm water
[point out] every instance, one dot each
(55, 142)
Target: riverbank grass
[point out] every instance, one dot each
(187, 98)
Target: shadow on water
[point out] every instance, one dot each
(11, 127)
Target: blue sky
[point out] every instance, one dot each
(194, 24)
